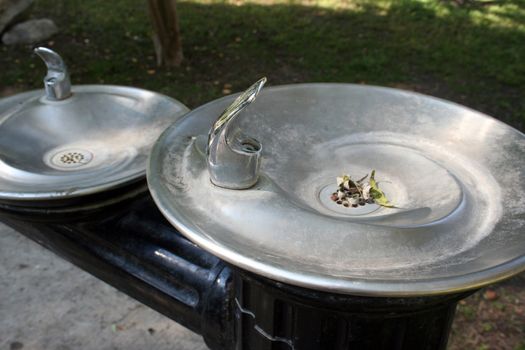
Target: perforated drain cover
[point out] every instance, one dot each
(69, 159)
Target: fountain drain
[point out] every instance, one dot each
(69, 159)
(324, 198)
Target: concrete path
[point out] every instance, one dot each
(47, 303)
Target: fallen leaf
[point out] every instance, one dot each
(378, 195)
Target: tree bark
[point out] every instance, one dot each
(166, 37)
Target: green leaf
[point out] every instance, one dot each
(342, 179)
(377, 194)
(380, 198)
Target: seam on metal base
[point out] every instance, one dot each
(262, 331)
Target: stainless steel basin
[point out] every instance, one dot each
(64, 142)
(97, 139)
(455, 175)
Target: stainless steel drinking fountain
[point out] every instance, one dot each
(311, 274)
(255, 253)
(455, 176)
(73, 179)
(69, 142)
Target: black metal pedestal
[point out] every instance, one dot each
(125, 241)
(272, 315)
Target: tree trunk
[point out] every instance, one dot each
(167, 40)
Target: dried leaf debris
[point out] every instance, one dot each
(352, 193)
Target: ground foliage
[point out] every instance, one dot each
(472, 53)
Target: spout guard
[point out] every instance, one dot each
(56, 82)
(233, 158)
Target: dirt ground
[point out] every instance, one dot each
(492, 319)
(46, 303)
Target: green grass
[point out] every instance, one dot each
(474, 55)
(520, 347)
(469, 312)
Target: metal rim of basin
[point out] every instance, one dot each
(320, 280)
(66, 184)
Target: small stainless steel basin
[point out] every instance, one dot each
(97, 137)
(455, 175)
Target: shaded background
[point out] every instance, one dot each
(470, 52)
(473, 53)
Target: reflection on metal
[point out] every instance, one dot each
(233, 158)
(262, 331)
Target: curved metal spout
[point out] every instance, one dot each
(232, 157)
(57, 83)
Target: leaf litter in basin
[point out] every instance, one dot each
(352, 193)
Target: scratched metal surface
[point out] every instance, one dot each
(456, 174)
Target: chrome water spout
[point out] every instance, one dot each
(233, 158)
(57, 83)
